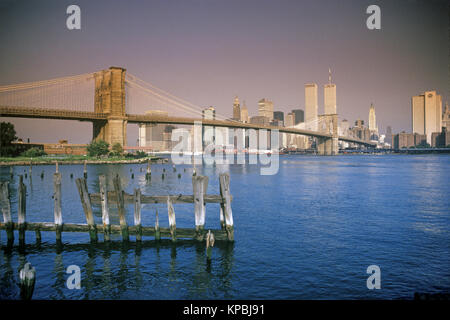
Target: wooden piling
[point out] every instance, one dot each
(42, 175)
(137, 213)
(56, 167)
(199, 185)
(105, 208)
(6, 210)
(85, 169)
(157, 231)
(21, 210)
(31, 168)
(209, 244)
(224, 180)
(87, 207)
(148, 175)
(57, 204)
(27, 279)
(121, 208)
(172, 222)
(11, 171)
(174, 168)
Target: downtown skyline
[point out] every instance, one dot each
(208, 53)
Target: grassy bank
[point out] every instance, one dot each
(73, 159)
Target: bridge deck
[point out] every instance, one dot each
(61, 114)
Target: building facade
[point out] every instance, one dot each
(426, 110)
(236, 109)
(311, 106)
(265, 108)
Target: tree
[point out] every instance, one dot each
(98, 148)
(7, 136)
(33, 152)
(117, 149)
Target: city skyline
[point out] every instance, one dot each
(209, 52)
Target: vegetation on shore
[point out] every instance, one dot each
(98, 152)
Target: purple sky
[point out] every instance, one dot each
(207, 51)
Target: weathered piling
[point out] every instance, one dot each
(85, 169)
(137, 213)
(21, 210)
(174, 168)
(148, 175)
(87, 207)
(31, 168)
(157, 232)
(179, 176)
(11, 171)
(57, 205)
(42, 175)
(27, 279)
(172, 222)
(199, 185)
(121, 208)
(209, 244)
(6, 210)
(56, 167)
(105, 208)
(224, 180)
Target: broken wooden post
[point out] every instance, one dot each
(137, 213)
(157, 232)
(172, 222)
(222, 219)
(31, 168)
(105, 209)
(87, 207)
(85, 169)
(11, 171)
(6, 210)
(224, 180)
(209, 244)
(148, 175)
(21, 210)
(174, 168)
(42, 174)
(56, 167)
(57, 205)
(199, 185)
(121, 208)
(27, 279)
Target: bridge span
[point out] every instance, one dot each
(110, 119)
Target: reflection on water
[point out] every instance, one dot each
(115, 270)
(308, 232)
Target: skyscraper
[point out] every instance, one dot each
(427, 114)
(265, 108)
(236, 109)
(244, 113)
(329, 96)
(299, 116)
(311, 106)
(278, 115)
(372, 119)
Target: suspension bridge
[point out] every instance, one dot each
(111, 99)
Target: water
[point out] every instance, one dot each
(309, 232)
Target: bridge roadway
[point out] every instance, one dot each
(61, 114)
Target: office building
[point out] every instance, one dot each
(244, 113)
(311, 106)
(156, 136)
(426, 112)
(236, 109)
(299, 116)
(265, 109)
(278, 115)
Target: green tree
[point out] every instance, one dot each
(33, 152)
(98, 148)
(117, 149)
(7, 136)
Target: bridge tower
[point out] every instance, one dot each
(328, 146)
(110, 99)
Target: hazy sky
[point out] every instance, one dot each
(207, 51)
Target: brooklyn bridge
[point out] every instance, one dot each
(110, 98)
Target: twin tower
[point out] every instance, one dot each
(110, 99)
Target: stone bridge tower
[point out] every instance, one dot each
(328, 123)
(110, 99)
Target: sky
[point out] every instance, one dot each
(208, 51)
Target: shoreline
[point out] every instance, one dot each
(63, 162)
